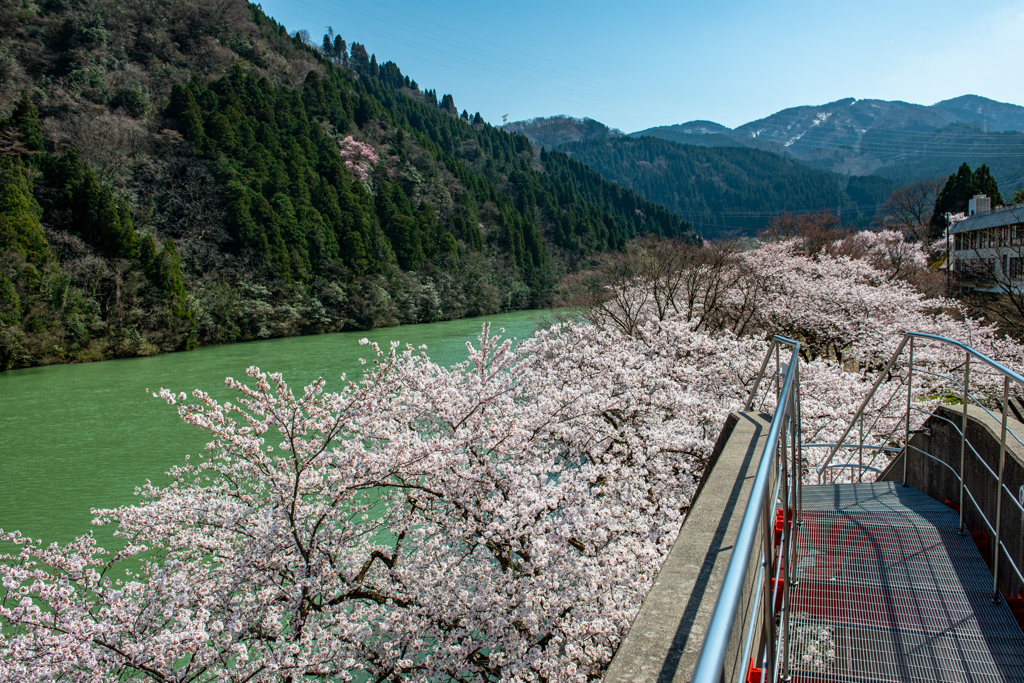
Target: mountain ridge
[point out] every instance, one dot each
(851, 136)
(869, 146)
(867, 136)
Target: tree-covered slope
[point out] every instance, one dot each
(728, 191)
(182, 173)
(552, 131)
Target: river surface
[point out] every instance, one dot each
(77, 437)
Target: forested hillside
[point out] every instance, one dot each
(182, 173)
(728, 191)
(553, 131)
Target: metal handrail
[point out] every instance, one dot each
(996, 365)
(760, 512)
(966, 397)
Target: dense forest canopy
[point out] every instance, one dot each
(183, 173)
(728, 191)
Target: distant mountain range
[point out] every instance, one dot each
(860, 137)
(852, 152)
(898, 140)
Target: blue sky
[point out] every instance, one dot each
(642, 64)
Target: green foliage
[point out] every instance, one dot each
(20, 230)
(725, 191)
(25, 120)
(910, 159)
(958, 191)
(292, 199)
(76, 201)
(102, 220)
(868, 193)
(233, 215)
(10, 303)
(133, 101)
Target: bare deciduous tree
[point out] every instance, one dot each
(109, 142)
(675, 278)
(190, 205)
(909, 208)
(817, 230)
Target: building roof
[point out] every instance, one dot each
(996, 219)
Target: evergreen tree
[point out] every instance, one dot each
(25, 120)
(20, 230)
(957, 193)
(340, 51)
(360, 57)
(148, 259)
(985, 184)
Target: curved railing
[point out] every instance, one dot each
(966, 398)
(781, 459)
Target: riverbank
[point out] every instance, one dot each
(79, 436)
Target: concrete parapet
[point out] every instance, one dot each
(665, 639)
(939, 480)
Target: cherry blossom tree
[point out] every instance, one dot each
(358, 157)
(500, 520)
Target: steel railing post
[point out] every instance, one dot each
(783, 545)
(963, 438)
(768, 603)
(713, 651)
(760, 376)
(910, 396)
(799, 451)
(860, 452)
(789, 527)
(999, 493)
(778, 384)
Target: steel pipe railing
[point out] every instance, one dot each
(781, 456)
(971, 357)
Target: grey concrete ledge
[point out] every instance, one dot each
(665, 638)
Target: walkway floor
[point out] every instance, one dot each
(889, 591)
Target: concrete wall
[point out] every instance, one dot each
(665, 639)
(939, 482)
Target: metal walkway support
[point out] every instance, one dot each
(887, 589)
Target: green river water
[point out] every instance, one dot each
(76, 437)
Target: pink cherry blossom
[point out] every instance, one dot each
(358, 157)
(498, 520)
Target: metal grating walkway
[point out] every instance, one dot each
(889, 591)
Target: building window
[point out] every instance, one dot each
(1016, 268)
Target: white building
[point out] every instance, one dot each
(988, 247)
